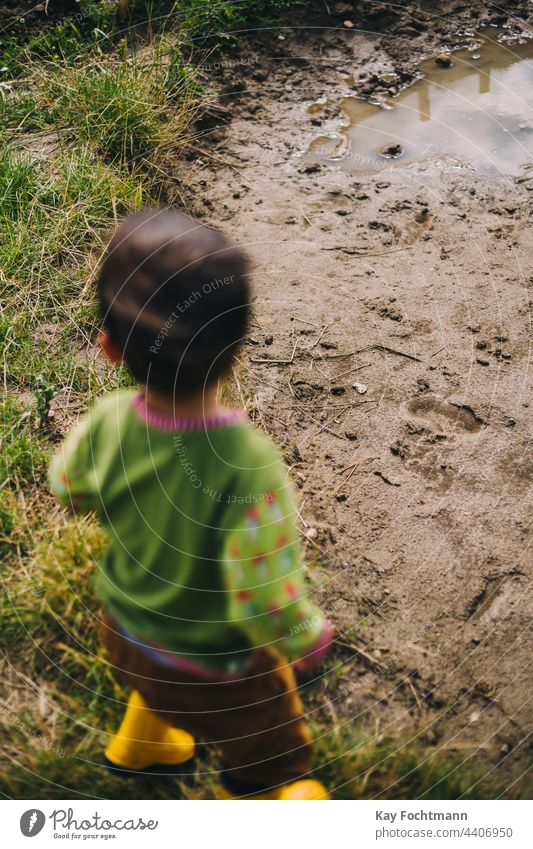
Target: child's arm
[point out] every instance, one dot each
(267, 596)
(71, 473)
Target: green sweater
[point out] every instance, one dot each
(203, 556)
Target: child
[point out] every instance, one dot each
(202, 578)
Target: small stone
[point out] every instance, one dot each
(391, 151)
(348, 24)
(350, 435)
(360, 388)
(311, 533)
(443, 60)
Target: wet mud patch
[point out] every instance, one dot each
(473, 105)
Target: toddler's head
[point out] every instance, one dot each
(174, 298)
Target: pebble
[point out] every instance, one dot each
(391, 151)
(444, 60)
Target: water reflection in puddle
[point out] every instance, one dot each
(479, 110)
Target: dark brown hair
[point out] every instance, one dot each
(174, 298)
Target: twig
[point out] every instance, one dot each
(304, 321)
(346, 479)
(347, 468)
(338, 356)
(220, 158)
(299, 513)
(353, 471)
(415, 694)
(350, 371)
(385, 478)
(394, 351)
(367, 656)
(323, 373)
(324, 329)
(322, 427)
(270, 362)
(362, 254)
(374, 347)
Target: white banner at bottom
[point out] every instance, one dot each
(358, 824)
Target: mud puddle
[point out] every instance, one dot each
(474, 105)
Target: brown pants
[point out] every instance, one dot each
(256, 720)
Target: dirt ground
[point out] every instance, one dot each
(416, 283)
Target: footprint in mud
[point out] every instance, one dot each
(461, 417)
(497, 597)
(305, 391)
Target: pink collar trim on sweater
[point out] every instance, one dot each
(162, 421)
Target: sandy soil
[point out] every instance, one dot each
(415, 282)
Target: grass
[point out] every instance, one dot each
(54, 217)
(88, 108)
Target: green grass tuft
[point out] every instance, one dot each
(358, 765)
(22, 455)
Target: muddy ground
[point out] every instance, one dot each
(416, 282)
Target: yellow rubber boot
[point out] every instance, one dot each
(145, 740)
(307, 789)
(299, 790)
